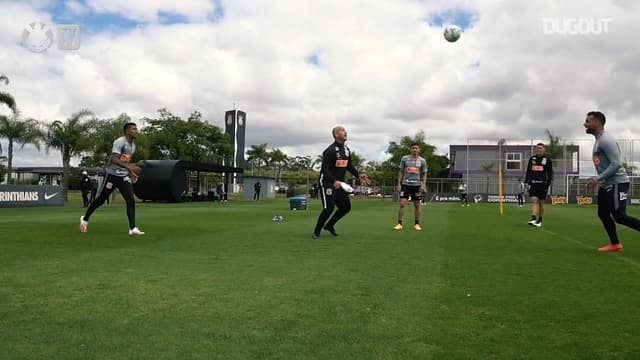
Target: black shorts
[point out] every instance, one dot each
(410, 192)
(539, 190)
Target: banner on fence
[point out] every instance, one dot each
(30, 195)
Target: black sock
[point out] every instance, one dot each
(417, 222)
(400, 222)
(533, 217)
(539, 219)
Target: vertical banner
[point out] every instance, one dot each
(241, 122)
(230, 129)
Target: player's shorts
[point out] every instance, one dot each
(410, 192)
(539, 190)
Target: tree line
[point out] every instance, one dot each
(168, 136)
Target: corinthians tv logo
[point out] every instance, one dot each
(37, 37)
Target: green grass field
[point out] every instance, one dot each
(221, 280)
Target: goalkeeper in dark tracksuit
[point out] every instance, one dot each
(539, 178)
(336, 160)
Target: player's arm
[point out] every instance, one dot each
(328, 162)
(351, 168)
(527, 178)
(423, 179)
(364, 179)
(400, 174)
(115, 159)
(612, 152)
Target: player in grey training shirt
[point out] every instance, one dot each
(612, 179)
(412, 182)
(120, 175)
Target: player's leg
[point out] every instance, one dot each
(109, 184)
(605, 213)
(327, 197)
(542, 197)
(85, 198)
(620, 207)
(126, 189)
(417, 209)
(403, 200)
(343, 203)
(533, 200)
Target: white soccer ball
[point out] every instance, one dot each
(452, 33)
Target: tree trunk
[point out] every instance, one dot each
(66, 159)
(9, 161)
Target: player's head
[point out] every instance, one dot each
(415, 149)
(130, 130)
(539, 149)
(84, 173)
(594, 123)
(339, 134)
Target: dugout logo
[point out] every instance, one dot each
(575, 26)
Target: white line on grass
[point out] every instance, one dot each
(564, 237)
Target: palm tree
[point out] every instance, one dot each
(3, 169)
(554, 149)
(6, 98)
(70, 137)
(103, 132)
(259, 155)
(317, 163)
(488, 167)
(278, 159)
(18, 131)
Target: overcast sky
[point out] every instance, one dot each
(379, 67)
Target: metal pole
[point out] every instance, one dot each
(467, 182)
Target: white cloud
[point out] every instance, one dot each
(382, 71)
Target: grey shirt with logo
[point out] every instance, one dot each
(412, 169)
(607, 158)
(126, 150)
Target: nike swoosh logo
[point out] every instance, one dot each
(49, 196)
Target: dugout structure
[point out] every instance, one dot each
(167, 180)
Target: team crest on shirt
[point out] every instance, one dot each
(329, 191)
(337, 149)
(544, 161)
(623, 196)
(108, 185)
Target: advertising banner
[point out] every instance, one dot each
(30, 195)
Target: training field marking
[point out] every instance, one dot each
(618, 256)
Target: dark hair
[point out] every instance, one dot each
(414, 144)
(598, 115)
(540, 144)
(127, 126)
